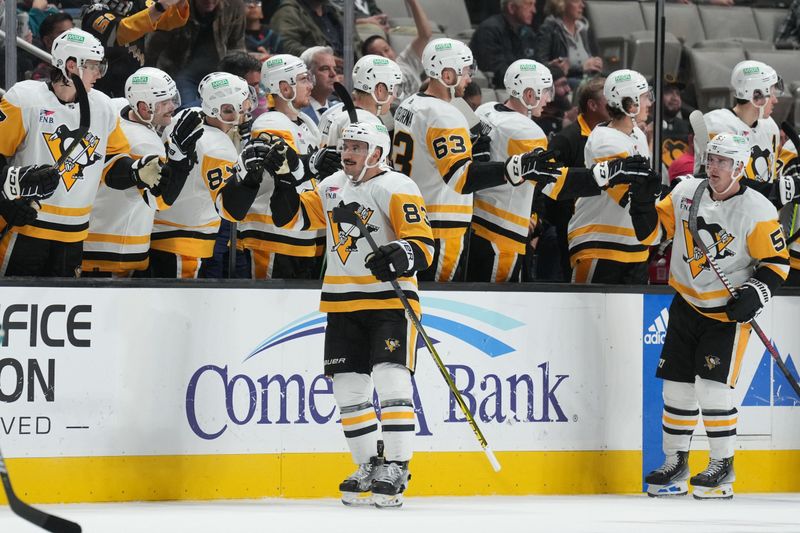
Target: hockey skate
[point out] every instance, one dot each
(389, 484)
(356, 488)
(716, 481)
(670, 478)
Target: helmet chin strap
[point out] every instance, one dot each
(290, 100)
(367, 166)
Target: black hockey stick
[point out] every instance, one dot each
(790, 132)
(695, 207)
(31, 514)
(347, 101)
(346, 216)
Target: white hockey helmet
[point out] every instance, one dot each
(374, 135)
(444, 53)
(151, 86)
(526, 74)
(622, 84)
(752, 79)
(282, 67)
(371, 70)
(79, 45)
(731, 146)
(220, 89)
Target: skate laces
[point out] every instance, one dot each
(364, 472)
(714, 467)
(670, 463)
(391, 473)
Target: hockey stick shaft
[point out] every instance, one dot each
(39, 518)
(356, 220)
(347, 101)
(790, 132)
(726, 282)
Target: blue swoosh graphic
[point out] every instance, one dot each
(478, 339)
(493, 318)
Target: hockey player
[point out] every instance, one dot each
(121, 222)
(432, 145)
(277, 252)
(369, 342)
(502, 213)
(376, 81)
(602, 244)
(41, 124)
(121, 25)
(708, 329)
(757, 87)
(221, 183)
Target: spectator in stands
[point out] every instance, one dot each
(366, 12)
(39, 10)
(322, 65)
(122, 34)
(306, 23)
(675, 130)
(50, 28)
(563, 40)
(410, 59)
(788, 33)
(559, 112)
(268, 8)
(568, 146)
(261, 41)
(503, 38)
(215, 28)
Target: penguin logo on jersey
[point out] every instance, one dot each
(83, 156)
(718, 249)
(347, 235)
(712, 361)
(761, 163)
(391, 344)
(672, 149)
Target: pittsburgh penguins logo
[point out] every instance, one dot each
(672, 149)
(712, 233)
(82, 156)
(347, 235)
(761, 163)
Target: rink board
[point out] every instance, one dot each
(147, 393)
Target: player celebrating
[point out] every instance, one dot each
(602, 244)
(369, 342)
(708, 330)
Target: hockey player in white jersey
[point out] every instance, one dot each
(432, 145)
(602, 244)
(278, 252)
(369, 342)
(40, 123)
(708, 329)
(502, 213)
(121, 222)
(220, 182)
(756, 88)
(376, 81)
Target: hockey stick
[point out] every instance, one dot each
(347, 101)
(695, 207)
(31, 514)
(790, 132)
(346, 216)
(700, 138)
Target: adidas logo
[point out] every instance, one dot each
(658, 329)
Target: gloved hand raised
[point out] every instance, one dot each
(536, 165)
(183, 138)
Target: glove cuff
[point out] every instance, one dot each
(761, 289)
(11, 184)
(175, 153)
(409, 250)
(786, 189)
(514, 170)
(600, 172)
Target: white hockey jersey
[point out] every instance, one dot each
(764, 136)
(257, 231)
(191, 225)
(36, 128)
(601, 227)
(121, 221)
(742, 233)
(333, 121)
(392, 208)
(502, 214)
(432, 145)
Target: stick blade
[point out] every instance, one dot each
(347, 101)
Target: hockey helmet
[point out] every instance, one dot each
(730, 146)
(754, 79)
(220, 89)
(622, 84)
(444, 53)
(371, 70)
(526, 74)
(374, 135)
(151, 86)
(282, 67)
(79, 45)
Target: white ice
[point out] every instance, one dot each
(636, 513)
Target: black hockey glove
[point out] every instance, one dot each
(391, 260)
(35, 182)
(324, 162)
(748, 302)
(644, 191)
(146, 172)
(610, 173)
(537, 165)
(184, 137)
(482, 148)
(18, 212)
(252, 162)
(786, 189)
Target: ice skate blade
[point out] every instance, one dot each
(722, 492)
(357, 499)
(387, 501)
(672, 490)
